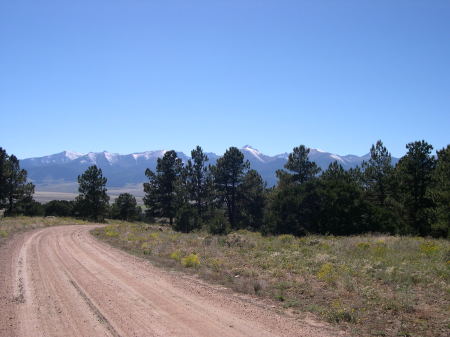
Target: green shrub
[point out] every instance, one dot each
(429, 248)
(154, 236)
(146, 249)
(337, 313)
(326, 273)
(191, 260)
(219, 225)
(111, 231)
(176, 255)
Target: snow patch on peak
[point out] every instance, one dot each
(72, 155)
(254, 152)
(149, 154)
(251, 149)
(110, 157)
(92, 156)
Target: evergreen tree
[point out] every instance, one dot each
(92, 202)
(125, 207)
(160, 191)
(294, 206)
(330, 204)
(59, 208)
(378, 173)
(252, 200)
(379, 185)
(343, 208)
(414, 173)
(301, 167)
(229, 173)
(357, 175)
(198, 183)
(31, 207)
(441, 192)
(3, 188)
(18, 191)
(295, 209)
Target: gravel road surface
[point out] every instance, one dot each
(61, 281)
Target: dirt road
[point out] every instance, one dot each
(60, 281)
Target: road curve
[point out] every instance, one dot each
(61, 281)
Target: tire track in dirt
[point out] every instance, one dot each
(95, 310)
(60, 281)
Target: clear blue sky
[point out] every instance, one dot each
(135, 75)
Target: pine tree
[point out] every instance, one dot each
(379, 184)
(295, 209)
(378, 173)
(125, 207)
(59, 208)
(229, 173)
(252, 200)
(92, 202)
(3, 188)
(198, 183)
(343, 208)
(414, 173)
(17, 191)
(441, 192)
(300, 167)
(160, 191)
(295, 203)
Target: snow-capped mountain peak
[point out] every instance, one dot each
(92, 156)
(72, 155)
(55, 159)
(254, 152)
(110, 157)
(148, 154)
(250, 148)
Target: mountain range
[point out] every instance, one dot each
(122, 170)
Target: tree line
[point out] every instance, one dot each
(410, 197)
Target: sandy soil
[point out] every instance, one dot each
(61, 281)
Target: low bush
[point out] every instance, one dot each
(191, 260)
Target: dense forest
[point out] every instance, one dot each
(412, 197)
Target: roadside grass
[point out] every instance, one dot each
(370, 285)
(12, 225)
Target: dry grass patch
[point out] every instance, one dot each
(11, 225)
(371, 285)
